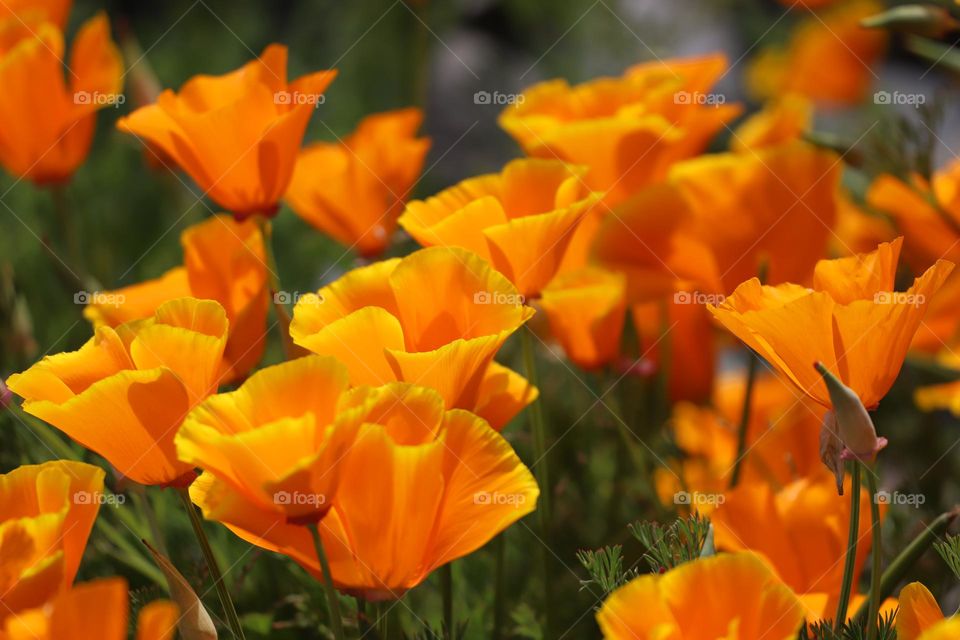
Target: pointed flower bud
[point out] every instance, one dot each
(853, 424)
(922, 19)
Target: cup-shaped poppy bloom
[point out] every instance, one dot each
(420, 486)
(828, 58)
(746, 600)
(852, 320)
(223, 260)
(587, 309)
(927, 213)
(783, 440)
(55, 11)
(918, 612)
(237, 135)
(275, 440)
(97, 610)
(46, 145)
(126, 391)
(520, 220)
(435, 318)
(46, 514)
(355, 189)
(801, 530)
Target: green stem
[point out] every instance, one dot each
(142, 500)
(851, 560)
(333, 602)
(744, 425)
(542, 470)
(877, 554)
(500, 585)
(290, 349)
(230, 612)
(907, 558)
(446, 585)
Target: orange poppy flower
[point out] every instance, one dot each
(801, 530)
(587, 309)
(271, 440)
(441, 483)
(944, 630)
(784, 119)
(829, 57)
(46, 145)
(852, 321)
(126, 391)
(95, 610)
(927, 214)
(746, 600)
(237, 135)
(46, 514)
(355, 189)
(783, 439)
(223, 260)
(435, 318)
(918, 612)
(520, 220)
(55, 11)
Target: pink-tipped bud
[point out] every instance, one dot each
(854, 427)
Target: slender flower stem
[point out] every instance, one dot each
(541, 468)
(230, 612)
(333, 601)
(500, 585)
(275, 291)
(851, 560)
(446, 585)
(744, 426)
(877, 555)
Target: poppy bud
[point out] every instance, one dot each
(853, 424)
(922, 19)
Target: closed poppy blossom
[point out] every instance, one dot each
(355, 189)
(440, 483)
(800, 529)
(275, 440)
(435, 318)
(852, 320)
(828, 58)
(237, 135)
(97, 610)
(918, 612)
(126, 391)
(520, 220)
(223, 260)
(47, 145)
(46, 514)
(725, 596)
